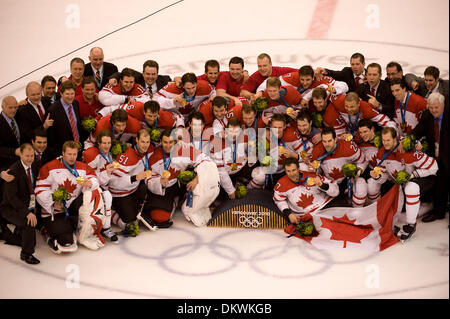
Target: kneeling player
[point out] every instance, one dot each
(300, 192)
(60, 218)
(421, 168)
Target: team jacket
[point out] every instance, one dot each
(131, 163)
(182, 158)
(54, 175)
(166, 120)
(337, 117)
(416, 163)
(414, 108)
(293, 79)
(98, 163)
(301, 198)
(345, 153)
(128, 135)
(204, 91)
(289, 97)
(291, 140)
(113, 95)
(222, 155)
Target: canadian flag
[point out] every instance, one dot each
(368, 228)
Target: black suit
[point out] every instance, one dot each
(383, 95)
(8, 143)
(161, 80)
(61, 130)
(108, 70)
(14, 205)
(425, 127)
(29, 120)
(345, 75)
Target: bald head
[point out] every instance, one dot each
(34, 92)
(96, 57)
(9, 106)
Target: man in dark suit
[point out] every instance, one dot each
(149, 79)
(49, 95)
(431, 82)
(10, 135)
(434, 126)
(100, 70)
(376, 91)
(67, 119)
(352, 75)
(19, 202)
(32, 115)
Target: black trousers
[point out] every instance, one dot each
(27, 232)
(129, 206)
(62, 228)
(166, 201)
(441, 194)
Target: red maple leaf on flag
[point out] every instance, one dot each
(305, 200)
(336, 173)
(345, 229)
(69, 186)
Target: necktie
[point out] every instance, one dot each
(15, 130)
(72, 125)
(428, 94)
(372, 92)
(41, 114)
(98, 77)
(30, 182)
(38, 159)
(436, 136)
(436, 130)
(357, 82)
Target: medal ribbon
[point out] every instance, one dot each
(403, 110)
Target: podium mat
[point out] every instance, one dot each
(256, 210)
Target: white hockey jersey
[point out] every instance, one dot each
(301, 198)
(54, 175)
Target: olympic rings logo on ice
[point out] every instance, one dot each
(251, 221)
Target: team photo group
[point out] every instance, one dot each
(103, 148)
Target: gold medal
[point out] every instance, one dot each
(281, 149)
(348, 137)
(148, 173)
(303, 154)
(80, 180)
(234, 166)
(166, 174)
(403, 127)
(183, 102)
(289, 110)
(377, 170)
(311, 181)
(315, 164)
(116, 165)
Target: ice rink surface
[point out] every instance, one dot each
(41, 37)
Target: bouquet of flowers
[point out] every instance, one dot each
(61, 195)
(377, 140)
(118, 148)
(409, 143)
(186, 176)
(89, 123)
(305, 228)
(241, 191)
(155, 135)
(267, 160)
(261, 104)
(317, 119)
(350, 170)
(402, 177)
